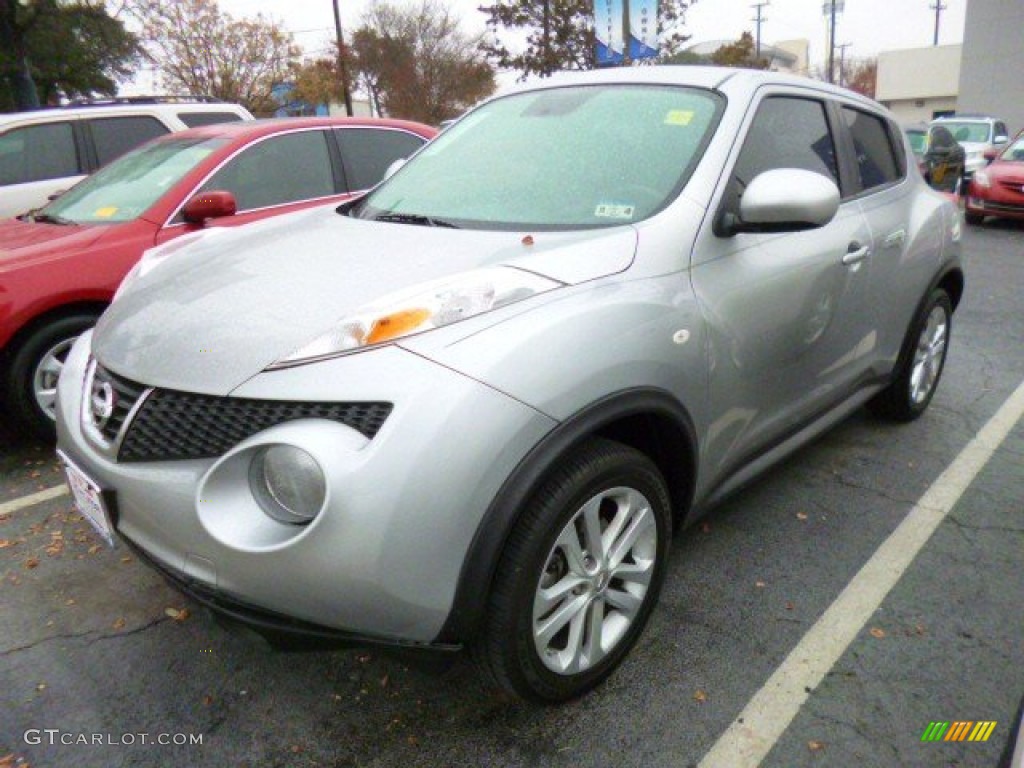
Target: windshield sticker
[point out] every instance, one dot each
(679, 117)
(106, 212)
(614, 211)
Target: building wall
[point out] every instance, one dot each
(909, 111)
(918, 73)
(993, 60)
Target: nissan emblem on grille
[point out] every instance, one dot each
(102, 399)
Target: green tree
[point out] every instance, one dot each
(205, 52)
(50, 50)
(317, 81)
(739, 54)
(417, 64)
(559, 34)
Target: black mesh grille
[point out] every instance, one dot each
(126, 394)
(180, 425)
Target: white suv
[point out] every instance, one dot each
(976, 134)
(45, 151)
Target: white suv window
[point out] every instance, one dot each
(37, 153)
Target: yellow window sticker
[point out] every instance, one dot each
(106, 212)
(678, 117)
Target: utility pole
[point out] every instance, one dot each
(842, 62)
(938, 8)
(830, 8)
(342, 69)
(546, 67)
(758, 21)
(625, 33)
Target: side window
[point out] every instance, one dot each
(1001, 130)
(278, 170)
(367, 152)
(37, 153)
(194, 119)
(788, 132)
(113, 136)
(876, 160)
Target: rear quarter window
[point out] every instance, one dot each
(367, 153)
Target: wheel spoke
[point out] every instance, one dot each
(623, 601)
(550, 597)
(592, 651)
(51, 366)
(545, 630)
(635, 573)
(47, 399)
(569, 543)
(641, 521)
(591, 513)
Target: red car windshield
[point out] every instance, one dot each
(128, 186)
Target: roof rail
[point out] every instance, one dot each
(115, 100)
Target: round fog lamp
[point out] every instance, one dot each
(288, 484)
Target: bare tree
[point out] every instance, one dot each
(416, 62)
(198, 48)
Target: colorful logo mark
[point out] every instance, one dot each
(959, 730)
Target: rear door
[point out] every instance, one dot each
(37, 161)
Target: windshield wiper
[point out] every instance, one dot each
(49, 218)
(415, 218)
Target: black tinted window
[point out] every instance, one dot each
(38, 152)
(279, 170)
(194, 119)
(368, 152)
(788, 133)
(876, 160)
(113, 136)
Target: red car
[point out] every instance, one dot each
(998, 190)
(60, 265)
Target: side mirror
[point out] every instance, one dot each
(215, 204)
(1000, 139)
(55, 195)
(394, 168)
(784, 200)
(990, 154)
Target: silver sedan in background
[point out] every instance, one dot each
(469, 409)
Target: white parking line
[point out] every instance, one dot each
(33, 498)
(767, 715)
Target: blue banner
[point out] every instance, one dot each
(608, 31)
(643, 29)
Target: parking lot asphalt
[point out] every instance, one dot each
(94, 644)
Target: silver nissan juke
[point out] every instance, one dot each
(468, 409)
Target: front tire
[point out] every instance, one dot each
(36, 363)
(921, 361)
(579, 576)
(974, 219)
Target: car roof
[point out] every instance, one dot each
(250, 129)
(712, 78)
(113, 107)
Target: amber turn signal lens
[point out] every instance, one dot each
(396, 324)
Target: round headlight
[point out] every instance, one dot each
(288, 484)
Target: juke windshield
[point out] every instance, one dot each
(563, 158)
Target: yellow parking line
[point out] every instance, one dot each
(32, 499)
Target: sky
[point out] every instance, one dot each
(869, 26)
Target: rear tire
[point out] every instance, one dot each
(36, 363)
(579, 575)
(921, 362)
(974, 219)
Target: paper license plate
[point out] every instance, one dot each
(88, 499)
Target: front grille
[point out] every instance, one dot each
(174, 425)
(1003, 207)
(126, 394)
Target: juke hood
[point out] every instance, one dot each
(211, 314)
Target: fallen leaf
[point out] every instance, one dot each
(789, 606)
(32, 562)
(384, 682)
(296, 748)
(172, 612)
(801, 515)
(41, 687)
(119, 624)
(69, 601)
(126, 559)
(759, 584)
(5, 543)
(877, 632)
(94, 549)
(182, 615)
(815, 746)
(207, 700)
(700, 696)
(705, 528)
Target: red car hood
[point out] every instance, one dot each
(1006, 170)
(24, 242)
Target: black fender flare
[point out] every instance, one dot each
(485, 550)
